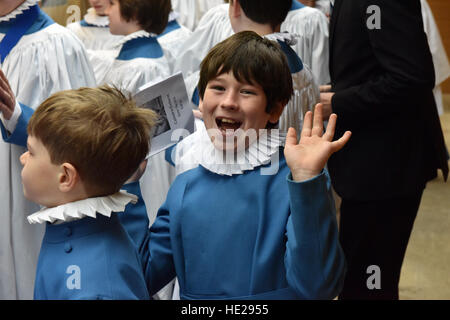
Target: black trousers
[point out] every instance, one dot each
(374, 236)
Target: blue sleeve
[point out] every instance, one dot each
(315, 262)
(135, 219)
(170, 154)
(156, 254)
(20, 134)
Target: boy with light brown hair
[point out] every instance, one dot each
(82, 146)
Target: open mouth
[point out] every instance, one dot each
(225, 124)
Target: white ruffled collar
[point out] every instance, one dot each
(19, 10)
(84, 208)
(135, 35)
(289, 38)
(93, 18)
(173, 15)
(197, 149)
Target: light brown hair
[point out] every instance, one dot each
(102, 133)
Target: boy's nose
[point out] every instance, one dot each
(23, 158)
(230, 101)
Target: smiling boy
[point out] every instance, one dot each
(226, 230)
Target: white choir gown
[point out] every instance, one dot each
(309, 24)
(172, 38)
(191, 11)
(48, 58)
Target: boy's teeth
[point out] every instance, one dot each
(228, 121)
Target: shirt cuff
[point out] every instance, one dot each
(10, 125)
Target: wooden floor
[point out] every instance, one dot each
(426, 268)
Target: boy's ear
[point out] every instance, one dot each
(68, 178)
(276, 112)
(235, 8)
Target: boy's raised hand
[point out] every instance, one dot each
(7, 98)
(308, 157)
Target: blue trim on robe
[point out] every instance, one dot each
(42, 22)
(168, 155)
(294, 61)
(83, 23)
(171, 26)
(147, 47)
(196, 97)
(296, 5)
(20, 134)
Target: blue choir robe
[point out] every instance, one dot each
(47, 58)
(87, 254)
(246, 236)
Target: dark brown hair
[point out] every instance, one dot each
(271, 12)
(152, 15)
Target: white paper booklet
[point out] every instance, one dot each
(169, 99)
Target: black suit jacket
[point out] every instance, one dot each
(383, 80)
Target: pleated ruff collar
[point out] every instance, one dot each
(199, 150)
(92, 18)
(135, 35)
(19, 10)
(84, 208)
(289, 38)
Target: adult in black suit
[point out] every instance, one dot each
(382, 78)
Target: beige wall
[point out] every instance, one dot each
(441, 12)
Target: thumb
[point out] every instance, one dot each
(291, 137)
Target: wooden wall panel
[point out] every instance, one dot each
(441, 12)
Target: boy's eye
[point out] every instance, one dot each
(217, 87)
(246, 91)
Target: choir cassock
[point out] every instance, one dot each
(39, 57)
(191, 11)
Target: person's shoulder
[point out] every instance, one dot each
(307, 19)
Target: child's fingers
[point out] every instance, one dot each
(331, 126)
(317, 129)
(291, 137)
(339, 144)
(307, 125)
